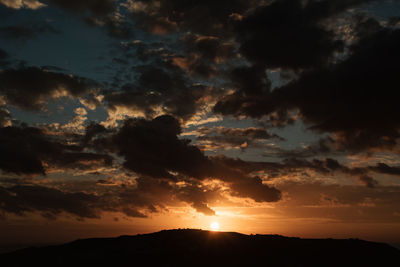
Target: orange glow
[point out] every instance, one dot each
(214, 226)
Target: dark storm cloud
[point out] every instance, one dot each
(355, 98)
(24, 32)
(290, 34)
(147, 196)
(96, 7)
(255, 189)
(153, 195)
(251, 80)
(31, 87)
(51, 202)
(152, 148)
(48, 201)
(26, 150)
(93, 130)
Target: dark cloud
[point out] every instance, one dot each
(51, 202)
(255, 189)
(295, 166)
(92, 131)
(160, 87)
(167, 15)
(358, 96)
(209, 47)
(196, 195)
(253, 85)
(152, 148)
(355, 98)
(290, 34)
(386, 169)
(203, 54)
(145, 197)
(96, 7)
(48, 201)
(27, 150)
(250, 81)
(5, 117)
(31, 87)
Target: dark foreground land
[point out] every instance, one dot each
(204, 248)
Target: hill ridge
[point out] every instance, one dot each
(196, 247)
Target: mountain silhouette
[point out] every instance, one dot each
(188, 247)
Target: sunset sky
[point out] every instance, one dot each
(132, 116)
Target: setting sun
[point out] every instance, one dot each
(214, 226)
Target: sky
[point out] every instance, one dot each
(133, 116)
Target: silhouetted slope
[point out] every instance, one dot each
(203, 248)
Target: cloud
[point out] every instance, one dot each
(146, 196)
(31, 88)
(166, 16)
(386, 169)
(29, 150)
(210, 47)
(5, 117)
(96, 7)
(353, 99)
(17, 4)
(291, 166)
(203, 54)
(152, 148)
(171, 93)
(76, 124)
(225, 138)
(115, 24)
(50, 202)
(288, 33)
(346, 89)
